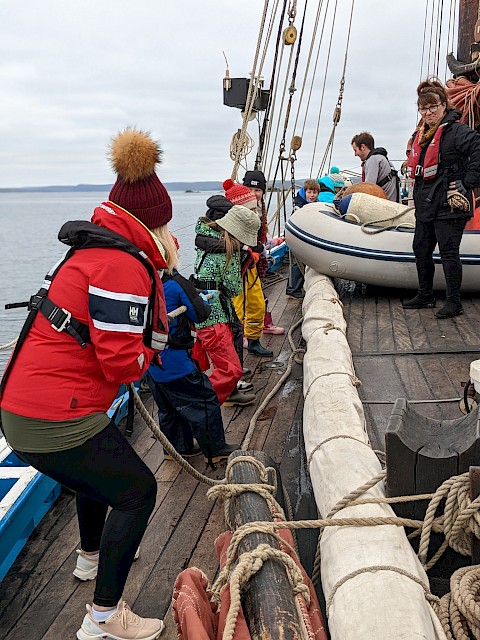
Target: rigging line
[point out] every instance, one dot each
(292, 12)
(251, 93)
(280, 112)
(252, 97)
(274, 95)
(338, 108)
(268, 110)
(299, 47)
(315, 68)
(439, 36)
(292, 84)
(431, 38)
(450, 35)
(270, 124)
(322, 95)
(185, 227)
(307, 66)
(424, 41)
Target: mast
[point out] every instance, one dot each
(467, 18)
(468, 44)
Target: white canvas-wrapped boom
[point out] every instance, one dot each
(379, 604)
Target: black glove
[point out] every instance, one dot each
(459, 186)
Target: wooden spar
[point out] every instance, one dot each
(467, 17)
(465, 63)
(268, 603)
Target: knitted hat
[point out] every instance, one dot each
(217, 207)
(255, 179)
(242, 224)
(336, 176)
(134, 155)
(238, 194)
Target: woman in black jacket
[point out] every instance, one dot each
(445, 162)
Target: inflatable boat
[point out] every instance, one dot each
(342, 247)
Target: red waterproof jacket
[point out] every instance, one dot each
(53, 378)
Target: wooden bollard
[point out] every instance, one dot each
(421, 454)
(267, 601)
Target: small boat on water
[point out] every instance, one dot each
(341, 248)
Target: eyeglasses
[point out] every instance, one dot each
(433, 108)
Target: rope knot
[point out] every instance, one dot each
(329, 327)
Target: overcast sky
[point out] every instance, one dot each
(74, 73)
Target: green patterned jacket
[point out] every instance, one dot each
(211, 266)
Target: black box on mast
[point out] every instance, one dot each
(236, 94)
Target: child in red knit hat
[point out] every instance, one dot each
(250, 304)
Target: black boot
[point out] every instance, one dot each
(255, 347)
(224, 452)
(453, 277)
(449, 310)
(420, 301)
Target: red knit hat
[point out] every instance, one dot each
(238, 194)
(134, 156)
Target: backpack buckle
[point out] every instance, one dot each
(34, 302)
(61, 322)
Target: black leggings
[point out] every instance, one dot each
(105, 472)
(447, 232)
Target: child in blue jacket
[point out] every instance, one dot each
(188, 407)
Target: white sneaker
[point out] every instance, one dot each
(121, 625)
(87, 566)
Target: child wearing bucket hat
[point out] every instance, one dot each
(255, 180)
(220, 274)
(250, 303)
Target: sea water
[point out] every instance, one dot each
(29, 247)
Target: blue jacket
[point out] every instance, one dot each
(327, 192)
(327, 189)
(177, 362)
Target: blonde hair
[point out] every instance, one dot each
(170, 251)
(232, 245)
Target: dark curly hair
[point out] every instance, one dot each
(430, 91)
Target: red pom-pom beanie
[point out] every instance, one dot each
(239, 194)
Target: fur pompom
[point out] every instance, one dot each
(228, 184)
(134, 154)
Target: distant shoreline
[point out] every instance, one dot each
(170, 186)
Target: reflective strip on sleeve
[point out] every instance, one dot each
(159, 340)
(114, 311)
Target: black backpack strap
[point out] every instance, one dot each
(61, 319)
(33, 307)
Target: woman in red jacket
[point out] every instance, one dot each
(98, 324)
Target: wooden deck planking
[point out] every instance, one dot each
(40, 595)
(429, 359)
(40, 598)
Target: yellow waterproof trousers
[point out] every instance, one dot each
(250, 305)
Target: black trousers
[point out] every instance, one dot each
(188, 407)
(105, 472)
(296, 281)
(447, 233)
